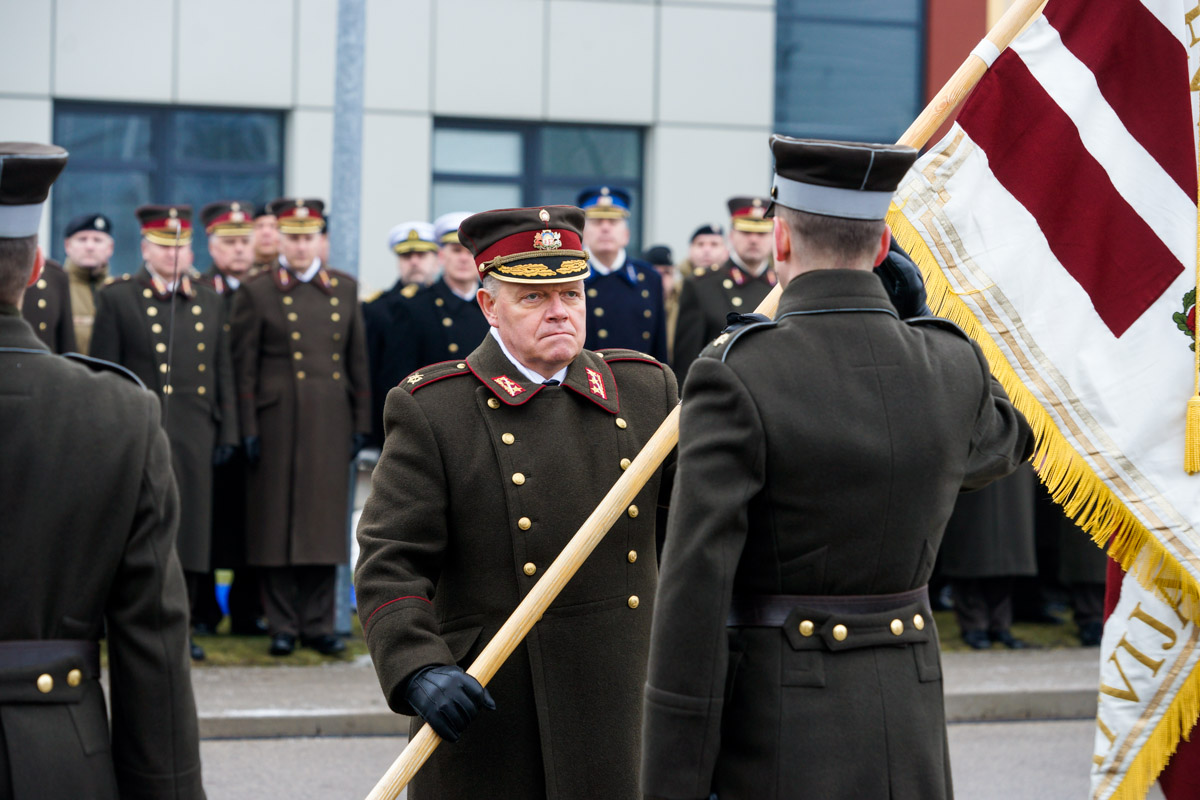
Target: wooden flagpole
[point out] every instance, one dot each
(665, 438)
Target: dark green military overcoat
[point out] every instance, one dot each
(47, 308)
(133, 328)
(820, 455)
(483, 480)
(88, 536)
(990, 533)
(704, 302)
(301, 367)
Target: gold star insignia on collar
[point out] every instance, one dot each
(414, 379)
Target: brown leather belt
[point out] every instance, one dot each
(47, 670)
(773, 610)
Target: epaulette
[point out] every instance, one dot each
(373, 296)
(433, 373)
(938, 322)
(111, 280)
(410, 290)
(611, 354)
(720, 346)
(100, 365)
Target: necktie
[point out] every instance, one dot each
(550, 382)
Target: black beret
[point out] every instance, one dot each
(659, 255)
(708, 229)
(88, 222)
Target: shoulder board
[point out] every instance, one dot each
(720, 346)
(337, 273)
(100, 365)
(619, 354)
(195, 274)
(410, 290)
(373, 296)
(110, 280)
(938, 322)
(433, 373)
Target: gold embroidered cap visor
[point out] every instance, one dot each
(528, 245)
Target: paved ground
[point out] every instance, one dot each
(991, 761)
(343, 698)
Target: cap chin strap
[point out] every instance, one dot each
(39, 261)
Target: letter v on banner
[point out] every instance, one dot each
(1056, 223)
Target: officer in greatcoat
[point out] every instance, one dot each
(170, 331)
(625, 294)
(231, 231)
(88, 242)
(90, 511)
(738, 285)
(301, 367)
(793, 653)
(391, 335)
(47, 309)
(490, 466)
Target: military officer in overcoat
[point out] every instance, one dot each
(88, 242)
(738, 285)
(47, 309)
(231, 231)
(301, 367)
(444, 320)
(90, 511)
(706, 249)
(625, 294)
(391, 335)
(491, 464)
(170, 331)
(793, 653)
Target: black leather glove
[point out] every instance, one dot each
(904, 283)
(253, 448)
(447, 698)
(735, 320)
(357, 442)
(223, 454)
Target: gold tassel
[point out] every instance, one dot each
(1191, 437)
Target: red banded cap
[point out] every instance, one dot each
(542, 244)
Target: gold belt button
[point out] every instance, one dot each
(840, 632)
(806, 627)
(897, 627)
(74, 678)
(45, 683)
(918, 622)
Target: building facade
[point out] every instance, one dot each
(469, 104)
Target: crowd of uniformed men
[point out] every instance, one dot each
(515, 369)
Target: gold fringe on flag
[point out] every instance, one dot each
(1176, 724)
(1073, 484)
(1191, 435)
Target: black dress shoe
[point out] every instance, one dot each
(282, 644)
(197, 651)
(326, 645)
(977, 640)
(1011, 642)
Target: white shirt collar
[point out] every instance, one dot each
(736, 259)
(309, 273)
(469, 295)
(617, 265)
(526, 371)
(232, 282)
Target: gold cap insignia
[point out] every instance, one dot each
(413, 236)
(173, 213)
(99, 223)
(547, 240)
(173, 223)
(544, 216)
(756, 202)
(604, 190)
(301, 211)
(605, 200)
(237, 216)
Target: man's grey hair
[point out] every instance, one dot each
(490, 284)
(850, 238)
(16, 264)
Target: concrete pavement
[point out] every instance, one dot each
(343, 698)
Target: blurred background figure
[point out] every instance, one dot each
(706, 250)
(659, 256)
(88, 243)
(266, 238)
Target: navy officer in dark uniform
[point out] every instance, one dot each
(793, 653)
(624, 295)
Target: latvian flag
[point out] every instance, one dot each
(1056, 223)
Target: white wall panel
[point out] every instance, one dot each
(309, 170)
(316, 59)
(25, 57)
(237, 53)
(718, 65)
(395, 188)
(398, 57)
(601, 61)
(693, 171)
(488, 58)
(115, 50)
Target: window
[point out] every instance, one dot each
(479, 166)
(848, 69)
(124, 156)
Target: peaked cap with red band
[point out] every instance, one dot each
(528, 245)
(298, 215)
(228, 218)
(166, 225)
(748, 214)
